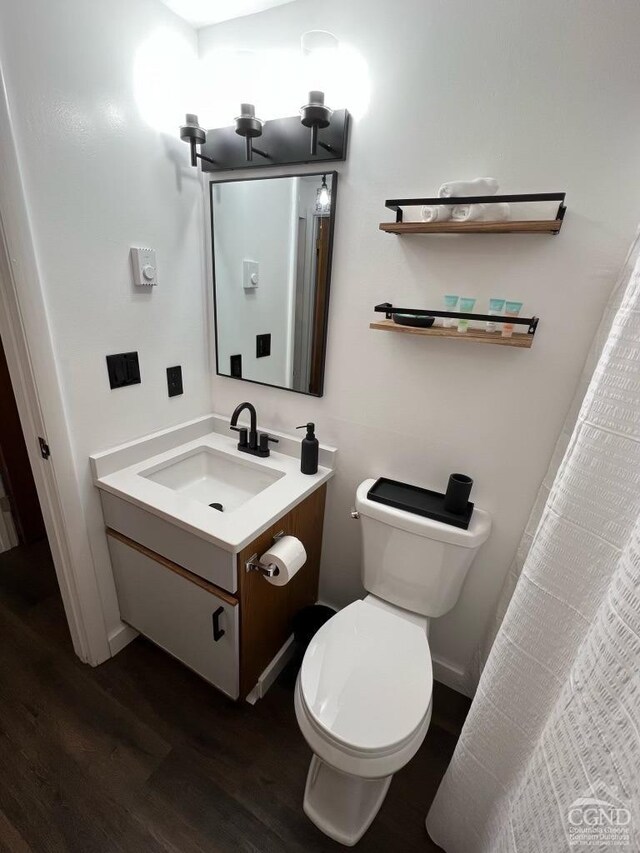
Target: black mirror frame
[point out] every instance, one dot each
(332, 220)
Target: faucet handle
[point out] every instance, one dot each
(264, 440)
(244, 435)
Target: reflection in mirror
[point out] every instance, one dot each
(272, 240)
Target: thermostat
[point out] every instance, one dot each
(143, 264)
(250, 274)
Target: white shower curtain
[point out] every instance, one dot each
(549, 758)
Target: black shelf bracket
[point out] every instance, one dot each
(389, 310)
(396, 204)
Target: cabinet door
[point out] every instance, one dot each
(180, 613)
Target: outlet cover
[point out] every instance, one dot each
(174, 380)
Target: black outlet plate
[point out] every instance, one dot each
(123, 369)
(174, 380)
(263, 345)
(236, 366)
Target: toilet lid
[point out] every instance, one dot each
(366, 677)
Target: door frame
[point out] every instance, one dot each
(28, 345)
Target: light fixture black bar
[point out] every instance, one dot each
(389, 310)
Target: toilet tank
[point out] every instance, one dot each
(415, 562)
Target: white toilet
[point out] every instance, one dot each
(363, 695)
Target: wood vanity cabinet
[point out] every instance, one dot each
(227, 638)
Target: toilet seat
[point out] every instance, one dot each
(366, 682)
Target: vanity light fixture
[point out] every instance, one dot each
(285, 140)
(195, 135)
(316, 116)
(250, 127)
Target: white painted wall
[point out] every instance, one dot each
(255, 220)
(542, 95)
(98, 180)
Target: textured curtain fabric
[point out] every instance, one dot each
(549, 758)
(524, 546)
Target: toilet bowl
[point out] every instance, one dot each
(363, 695)
(363, 704)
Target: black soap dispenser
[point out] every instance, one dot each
(309, 454)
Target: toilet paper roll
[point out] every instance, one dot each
(288, 554)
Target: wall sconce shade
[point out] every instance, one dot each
(194, 135)
(250, 127)
(316, 116)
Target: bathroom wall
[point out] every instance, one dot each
(99, 179)
(542, 95)
(256, 221)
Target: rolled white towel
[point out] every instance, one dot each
(436, 212)
(484, 212)
(478, 186)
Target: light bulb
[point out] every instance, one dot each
(323, 198)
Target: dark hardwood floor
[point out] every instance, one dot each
(141, 755)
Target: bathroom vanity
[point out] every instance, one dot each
(185, 512)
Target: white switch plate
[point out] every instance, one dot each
(250, 274)
(143, 265)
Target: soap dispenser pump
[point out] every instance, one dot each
(309, 454)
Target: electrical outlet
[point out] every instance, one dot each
(174, 380)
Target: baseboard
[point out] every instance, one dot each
(121, 637)
(272, 671)
(451, 675)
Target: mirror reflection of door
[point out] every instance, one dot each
(311, 298)
(272, 243)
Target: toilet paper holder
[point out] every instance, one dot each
(254, 565)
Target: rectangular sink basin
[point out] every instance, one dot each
(210, 476)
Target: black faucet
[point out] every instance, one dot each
(251, 441)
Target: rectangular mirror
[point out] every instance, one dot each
(272, 240)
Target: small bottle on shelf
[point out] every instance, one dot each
(496, 306)
(466, 307)
(450, 304)
(511, 309)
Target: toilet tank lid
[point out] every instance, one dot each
(477, 532)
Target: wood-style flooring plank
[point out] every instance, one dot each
(140, 755)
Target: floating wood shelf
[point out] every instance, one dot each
(531, 226)
(477, 226)
(523, 341)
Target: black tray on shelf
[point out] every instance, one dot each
(418, 501)
(421, 322)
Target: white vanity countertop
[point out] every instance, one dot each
(118, 471)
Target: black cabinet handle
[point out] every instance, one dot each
(218, 632)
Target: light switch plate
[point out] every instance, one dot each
(250, 274)
(123, 369)
(143, 266)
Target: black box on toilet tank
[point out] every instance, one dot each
(424, 502)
